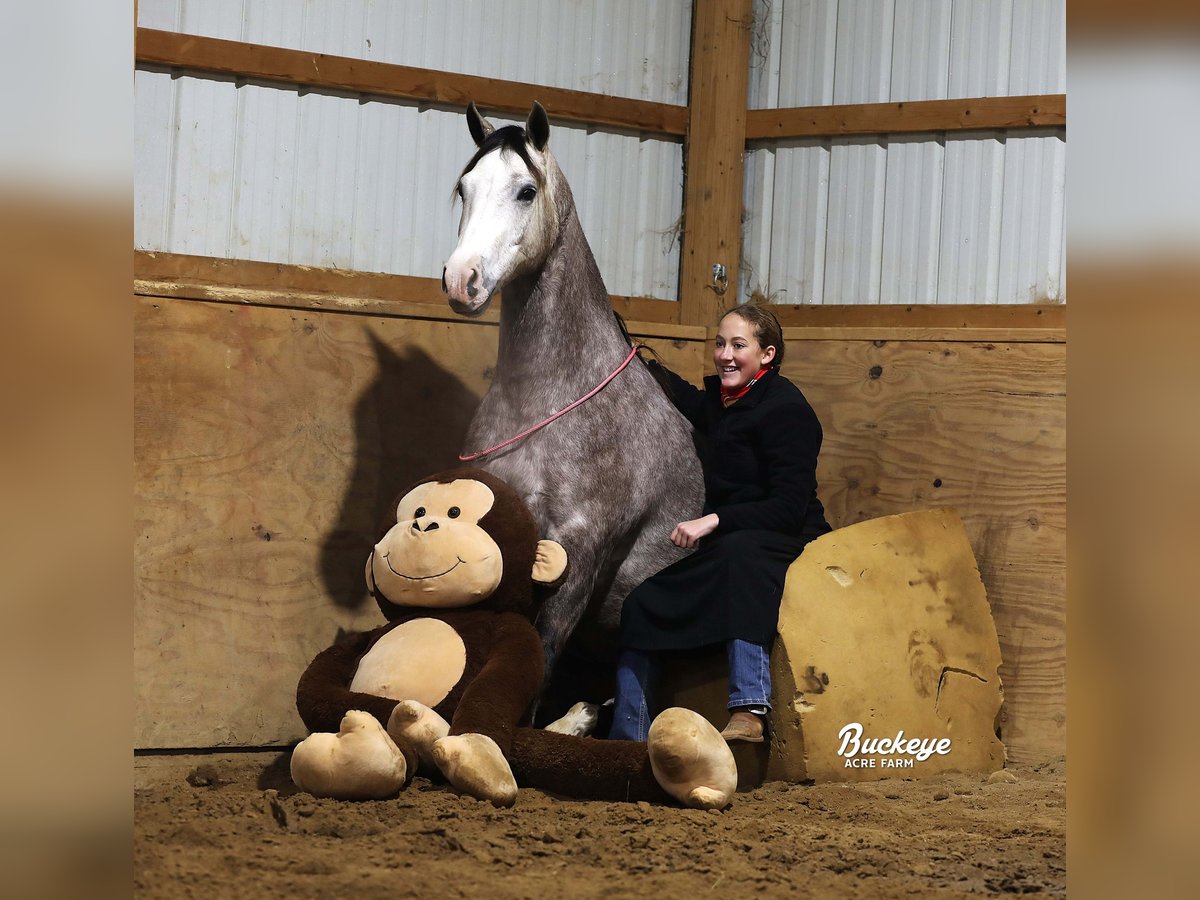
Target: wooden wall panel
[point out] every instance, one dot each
(269, 440)
(981, 427)
(268, 443)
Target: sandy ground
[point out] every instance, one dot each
(235, 826)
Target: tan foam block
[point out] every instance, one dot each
(886, 624)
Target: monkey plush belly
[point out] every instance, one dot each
(422, 660)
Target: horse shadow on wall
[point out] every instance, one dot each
(408, 423)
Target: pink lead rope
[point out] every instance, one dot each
(528, 431)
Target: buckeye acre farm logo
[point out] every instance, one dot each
(886, 753)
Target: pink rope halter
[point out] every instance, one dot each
(528, 431)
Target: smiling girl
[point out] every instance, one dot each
(760, 440)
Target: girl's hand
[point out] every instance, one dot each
(686, 534)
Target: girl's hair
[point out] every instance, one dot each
(766, 327)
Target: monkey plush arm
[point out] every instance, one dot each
(323, 695)
(499, 697)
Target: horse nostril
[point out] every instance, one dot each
(472, 291)
(444, 289)
(472, 283)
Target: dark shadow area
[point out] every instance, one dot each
(409, 423)
(278, 776)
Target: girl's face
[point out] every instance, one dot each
(737, 354)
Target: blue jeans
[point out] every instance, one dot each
(637, 671)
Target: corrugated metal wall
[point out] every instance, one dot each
(973, 217)
(262, 172)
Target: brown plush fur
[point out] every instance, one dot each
(503, 674)
(584, 767)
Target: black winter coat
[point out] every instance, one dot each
(760, 473)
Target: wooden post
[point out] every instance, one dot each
(715, 144)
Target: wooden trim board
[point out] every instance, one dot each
(909, 117)
(258, 283)
(180, 275)
(341, 73)
(966, 315)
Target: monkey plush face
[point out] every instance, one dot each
(436, 555)
(441, 554)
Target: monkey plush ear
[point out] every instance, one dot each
(550, 562)
(370, 574)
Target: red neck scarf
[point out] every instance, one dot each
(729, 396)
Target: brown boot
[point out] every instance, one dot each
(744, 726)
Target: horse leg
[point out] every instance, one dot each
(563, 609)
(651, 552)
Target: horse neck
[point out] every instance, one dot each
(559, 320)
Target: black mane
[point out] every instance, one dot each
(510, 137)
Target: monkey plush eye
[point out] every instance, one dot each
(420, 512)
(454, 512)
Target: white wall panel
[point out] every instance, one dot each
(789, 260)
(254, 171)
(808, 43)
(203, 177)
(627, 48)
(920, 50)
(267, 177)
(969, 217)
(913, 221)
(1039, 58)
(257, 172)
(973, 187)
(153, 157)
(1032, 224)
(915, 164)
(980, 51)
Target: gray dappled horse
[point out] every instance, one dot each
(610, 479)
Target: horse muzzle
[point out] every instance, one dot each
(465, 288)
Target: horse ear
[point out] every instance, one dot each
(537, 126)
(480, 127)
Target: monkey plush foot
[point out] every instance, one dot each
(690, 759)
(580, 720)
(414, 725)
(474, 764)
(360, 762)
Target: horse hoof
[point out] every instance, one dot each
(580, 720)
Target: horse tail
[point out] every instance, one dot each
(654, 366)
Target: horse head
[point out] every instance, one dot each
(509, 220)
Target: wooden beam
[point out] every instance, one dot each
(1038, 111)
(255, 283)
(970, 334)
(981, 315)
(182, 268)
(340, 73)
(712, 205)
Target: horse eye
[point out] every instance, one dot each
(420, 512)
(527, 194)
(454, 512)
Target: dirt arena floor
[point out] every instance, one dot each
(235, 826)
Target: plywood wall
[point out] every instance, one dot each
(979, 426)
(269, 441)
